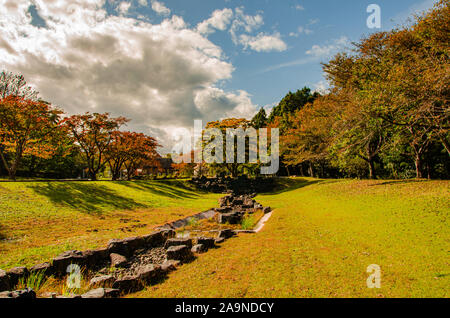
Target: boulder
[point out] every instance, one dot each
(61, 262)
(220, 240)
(102, 281)
(225, 201)
(199, 249)
(128, 284)
(178, 242)
(226, 234)
(26, 293)
(4, 281)
(97, 257)
(158, 238)
(117, 260)
(45, 268)
(206, 241)
(170, 265)
(231, 218)
(119, 247)
(149, 273)
(17, 273)
(102, 293)
(267, 209)
(180, 253)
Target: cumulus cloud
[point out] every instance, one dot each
(160, 8)
(244, 22)
(263, 42)
(124, 7)
(327, 50)
(162, 76)
(219, 20)
(299, 7)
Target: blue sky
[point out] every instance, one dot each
(165, 63)
(262, 74)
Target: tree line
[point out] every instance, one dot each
(38, 140)
(386, 113)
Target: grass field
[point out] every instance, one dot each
(39, 220)
(319, 242)
(322, 237)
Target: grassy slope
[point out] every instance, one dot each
(321, 239)
(38, 220)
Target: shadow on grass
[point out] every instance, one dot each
(172, 189)
(90, 198)
(399, 182)
(286, 184)
(2, 235)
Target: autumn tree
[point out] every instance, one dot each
(26, 127)
(93, 134)
(139, 150)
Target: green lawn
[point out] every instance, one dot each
(39, 220)
(322, 237)
(319, 242)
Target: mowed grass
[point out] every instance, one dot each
(39, 220)
(322, 237)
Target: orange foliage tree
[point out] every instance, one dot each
(26, 127)
(93, 134)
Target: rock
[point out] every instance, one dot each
(45, 268)
(226, 234)
(158, 238)
(97, 257)
(226, 209)
(231, 218)
(170, 265)
(119, 247)
(220, 240)
(267, 209)
(199, 249)
(117, 260)
(258, 206)
(134, 243)
(27, 293)
(102, 293)
(149, 273)
(225, 201)
(101, 281)
(180, 253)
(49, 295)
(128, 284)
(206, 241)
(61, 262)
(4, 281)
(178, 242)
(17, 273)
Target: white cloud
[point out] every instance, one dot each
(160, 8)
(159, 75)
(124, 7)
(299, 7)
(220, 20)
(244, 22)
(143, 3)
(263, 42)
(327, 50)
(301, 30)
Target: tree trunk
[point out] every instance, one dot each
(418, 163)
(371, 168)
(288, 172)
(311, 170)
(92, 175)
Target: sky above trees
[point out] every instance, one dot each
(165, 63)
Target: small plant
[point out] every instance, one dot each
(193, 222)
(248, 223)
(34, 281)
